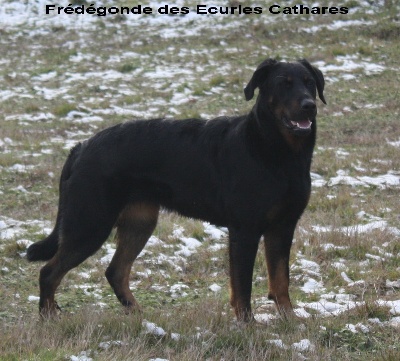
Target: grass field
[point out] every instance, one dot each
(64, 77)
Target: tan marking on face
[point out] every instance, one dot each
(279, 112)
(294, 106)
(294, 142)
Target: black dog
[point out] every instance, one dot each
(249, 173)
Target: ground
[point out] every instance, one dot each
(64, 77)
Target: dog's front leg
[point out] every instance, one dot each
(242, 253)
(278, 242)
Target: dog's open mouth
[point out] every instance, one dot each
(302, 124)
(298, 125)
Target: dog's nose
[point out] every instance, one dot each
(307, 104)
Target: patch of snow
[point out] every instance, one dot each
(190, 243)
(393, 284)
(217, 246)
(339, 266)
(395, 143)
(337, 24)
(339, 297)
(278, 343)
(356, 229)
(382, 181)
(350, 63)
(177, 231)
(350, 282)
(22, 168)
(175, 336)
(154, 241)
(153, 329)
(328, 246)
(10, 228)
(375, 321)
(312, 286)
(173, 261)
(363, 328)
(85, 275)
(317, 180)
(107, 344)
(83, 356)
(89, 290)
(87, 119)
(395, 322)
(327, 308)
(213, 232)
(31, 117)
(215, 288)
(110, 251)
(374, 257)
(342, 154)
(303, 346)
(45, 76)
(301, 312)
(146, 274)
(309, 267)
(393, 305)
(181, 98)
(343, 178)
(24, 243)
(177, 290)
(265, 317)
(351, 328)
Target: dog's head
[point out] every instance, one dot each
(289, 91)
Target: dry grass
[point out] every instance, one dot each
(216, 61)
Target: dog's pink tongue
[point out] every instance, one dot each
(305, 124)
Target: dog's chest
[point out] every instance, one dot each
(290, 198)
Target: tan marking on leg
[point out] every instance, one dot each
(138, 212)
(135, 225)
(277, 244)
(50, 278)
(279, 288)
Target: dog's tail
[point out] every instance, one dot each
(45, 249)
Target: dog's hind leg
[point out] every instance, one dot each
(135, 225)
(277, 243)
(81, 235)
(68, 256)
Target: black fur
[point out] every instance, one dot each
(47, 248)
(249, 173)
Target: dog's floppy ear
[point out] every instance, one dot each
(318, 77)
(258, 77)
